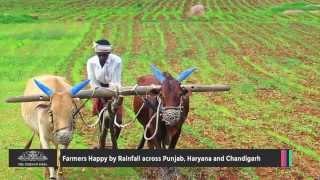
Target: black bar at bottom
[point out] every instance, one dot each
(171, 158)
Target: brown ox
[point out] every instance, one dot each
(53, 121)
(172, 103)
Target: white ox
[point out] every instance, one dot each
(52, 121)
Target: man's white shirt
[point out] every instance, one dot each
(110, 73)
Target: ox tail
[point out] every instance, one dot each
(27, 146)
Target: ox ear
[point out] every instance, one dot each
(185, 74)
(157, 73)
(44, 88)
(76, 88)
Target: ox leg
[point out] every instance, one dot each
(46, 172)
(149, 142)
(103, 133)
(163, 136)
(113, 138)
(115, 131)
(150, 145)
(60, 169)
(141, 144)
(174, 140)
(112, 134)
(163, 143)
(155, 142)
(45, 145)
(46, 169)
(118, 129)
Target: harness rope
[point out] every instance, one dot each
(115, 118)
(83, 104)
(149, 123)
(130, 122)
(170, 115)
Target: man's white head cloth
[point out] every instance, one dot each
(102, 46)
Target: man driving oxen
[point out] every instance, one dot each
(104, 70)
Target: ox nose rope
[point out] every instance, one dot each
(149, 123)
(171, 113)
(175, 109)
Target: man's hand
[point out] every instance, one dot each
(103, 101)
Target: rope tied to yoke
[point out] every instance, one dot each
(130, 122)
(117, 92)
(157, 122)
(82, 105)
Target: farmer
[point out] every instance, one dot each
(104, 70)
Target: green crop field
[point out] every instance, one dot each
(267, 50)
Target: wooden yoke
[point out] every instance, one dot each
(123, 91)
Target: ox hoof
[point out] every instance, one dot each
(60, 173)
(97, 146)
(59, 176)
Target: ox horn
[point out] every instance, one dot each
(157, 73)
(185, 74)
(44, 88)
(76, 88)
